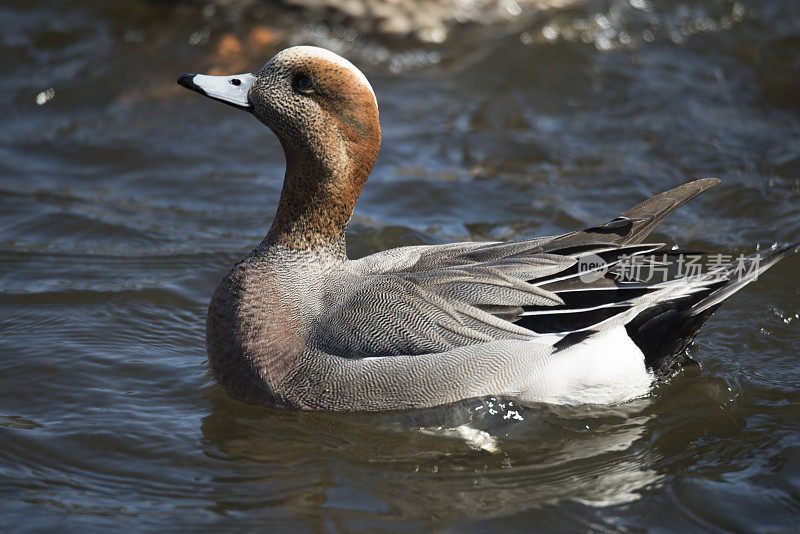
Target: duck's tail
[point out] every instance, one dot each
(665, 330)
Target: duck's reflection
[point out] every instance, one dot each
(409, 465)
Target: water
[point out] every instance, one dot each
(123, 198)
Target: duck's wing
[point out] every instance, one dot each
(420, 300)
(436, 310)
(439, 296)
(389, 315)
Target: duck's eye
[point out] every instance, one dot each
(303, 84)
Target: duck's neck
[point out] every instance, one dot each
(317, 200)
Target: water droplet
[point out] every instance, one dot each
(45, 96)
(550, 32)
(200, 37)
(526, 38)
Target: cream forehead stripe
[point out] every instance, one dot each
(313, 51)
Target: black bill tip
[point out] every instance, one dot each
(231, 90)
(187, 80)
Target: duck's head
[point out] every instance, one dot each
(324, 111)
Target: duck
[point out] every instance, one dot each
(297, 324)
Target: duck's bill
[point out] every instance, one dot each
(228, 89)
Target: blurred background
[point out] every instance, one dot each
(124, 198)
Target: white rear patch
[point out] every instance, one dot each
(606, 368)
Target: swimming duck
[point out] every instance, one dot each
(297, 324)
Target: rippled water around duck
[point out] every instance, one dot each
(123, 199)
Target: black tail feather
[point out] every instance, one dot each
(663, 332)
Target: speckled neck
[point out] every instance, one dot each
(323, 181)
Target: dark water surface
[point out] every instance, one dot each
(124, 198)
